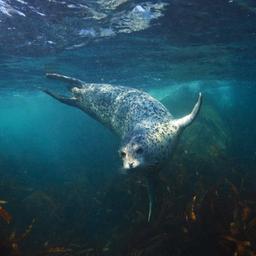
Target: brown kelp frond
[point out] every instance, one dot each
(5, 215)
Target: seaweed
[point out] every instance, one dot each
(5, 215)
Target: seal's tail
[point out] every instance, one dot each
(188, 119)
(70, 80)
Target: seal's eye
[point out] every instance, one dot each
(139, 150)
(123, 154)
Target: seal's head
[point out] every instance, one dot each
(141, 152)
(133, 153)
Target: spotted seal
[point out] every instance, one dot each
(147, 130)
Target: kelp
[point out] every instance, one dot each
(5, 215)
(11, 243)
(216, 218)
(226, 219)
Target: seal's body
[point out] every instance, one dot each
(147, 130)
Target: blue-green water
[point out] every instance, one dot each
(60, 169)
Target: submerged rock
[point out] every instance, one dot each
(209, 136)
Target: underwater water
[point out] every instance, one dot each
(61, 189)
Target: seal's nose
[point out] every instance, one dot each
(131, 164)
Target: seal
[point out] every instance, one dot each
(147, 130)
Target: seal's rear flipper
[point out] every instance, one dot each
(67, 79)
(65, 100)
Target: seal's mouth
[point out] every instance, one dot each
(130, 168)
(140, 169)
(131, 163)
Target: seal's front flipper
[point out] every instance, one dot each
(188, 119)
(65, 100)
(154, 195)
(67, 79)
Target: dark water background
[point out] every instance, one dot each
(60, 169)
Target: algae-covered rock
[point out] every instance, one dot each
(209, 136)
